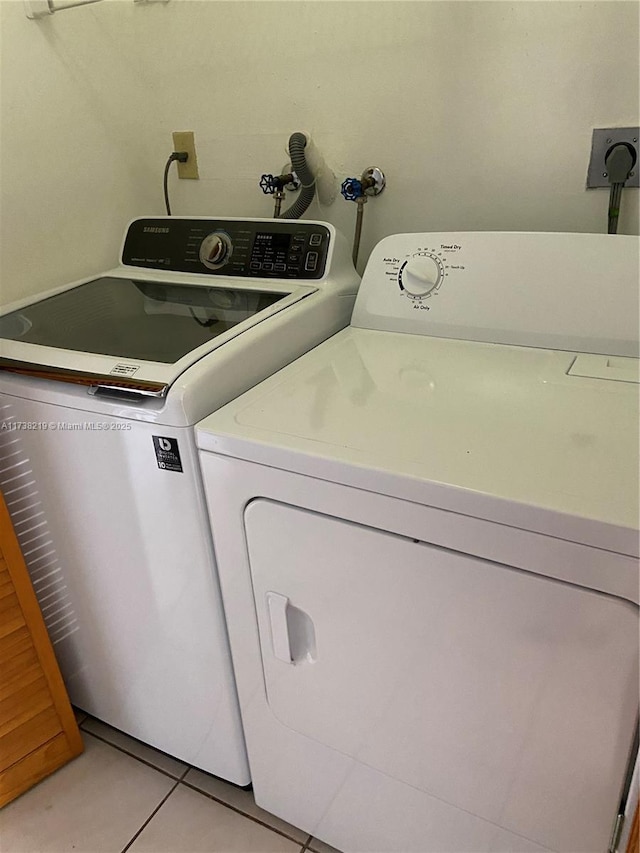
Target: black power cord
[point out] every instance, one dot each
(619, 161)
(181, 157)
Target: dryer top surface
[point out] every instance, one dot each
(474, 427)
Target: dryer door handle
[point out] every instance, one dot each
(277, 605)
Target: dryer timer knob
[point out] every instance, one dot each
(215, 250)
(420, 275)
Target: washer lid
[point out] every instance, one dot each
(133, 333)
(488, 430)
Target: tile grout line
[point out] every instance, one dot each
(137, 757)
(181, 780)
(150, 818)
(244, 814)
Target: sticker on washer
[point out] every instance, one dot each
(125, 369)
(167, 453)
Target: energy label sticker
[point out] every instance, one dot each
(167, 453)
(124, 369)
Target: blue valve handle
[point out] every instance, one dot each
(351, 189)
(269, 184)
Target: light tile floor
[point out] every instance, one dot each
(121, 795)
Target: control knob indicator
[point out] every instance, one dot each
(215, 250)
(421, 275)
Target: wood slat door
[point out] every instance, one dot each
(632, 846)
(38, 730)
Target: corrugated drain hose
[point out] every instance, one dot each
(297, 144)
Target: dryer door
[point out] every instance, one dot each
(508, 695)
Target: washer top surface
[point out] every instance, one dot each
(185, 287)
(539, 438)
(198, 311)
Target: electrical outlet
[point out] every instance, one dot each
(183, 140)
(601, 142)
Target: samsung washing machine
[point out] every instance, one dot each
(427, 538)
(101, 383)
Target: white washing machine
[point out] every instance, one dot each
(101, 383)
(427, 537)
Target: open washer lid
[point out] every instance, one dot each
(185, 287)
(135, 333)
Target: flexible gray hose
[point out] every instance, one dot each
(615, 196)
(297, 144)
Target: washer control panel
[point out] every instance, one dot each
(282, 249)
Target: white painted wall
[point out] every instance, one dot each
(480, 113)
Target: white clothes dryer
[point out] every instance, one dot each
(101, 383)
(427, 537)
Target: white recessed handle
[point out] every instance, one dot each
(277, 606)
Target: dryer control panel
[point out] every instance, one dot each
(575, 292)
(259, 248)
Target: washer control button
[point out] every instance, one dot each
(315, 239)
(311, 261)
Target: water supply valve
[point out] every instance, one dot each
(269, 184)
(275, 185)
(351, 189)
(371, 182)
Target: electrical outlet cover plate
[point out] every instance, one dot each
(601, 142)
(184, 140)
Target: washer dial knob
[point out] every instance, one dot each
(421, 275)
(215, 250)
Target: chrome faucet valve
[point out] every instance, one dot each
(352, 189)
(269, 184)
(275, 185)
(371, 182)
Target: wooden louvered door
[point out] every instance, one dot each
(633, 837)
(38, 731)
